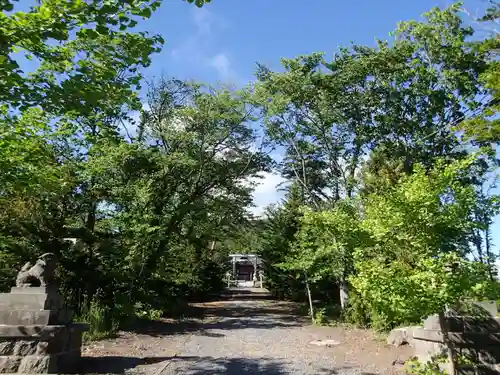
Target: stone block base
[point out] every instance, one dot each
(36, 333)
(40, 364)
(54, 349)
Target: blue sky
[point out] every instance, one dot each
(222, 41)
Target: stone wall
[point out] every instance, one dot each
(476, 338)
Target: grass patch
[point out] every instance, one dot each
(328, 315)
(101, 323)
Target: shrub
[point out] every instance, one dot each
(101, 320)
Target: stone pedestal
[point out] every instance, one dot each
(37, 335)
(476, 337)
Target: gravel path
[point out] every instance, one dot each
(246, 337)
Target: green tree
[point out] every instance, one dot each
(324, 244)
(208, 149)
(311, 114)
(52, 33)
(404, 95)
(180, 188)
(483, 130)
(280, 226)
(382, 170)
(68, 171)
(416, 229)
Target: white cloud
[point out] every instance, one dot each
(266, 192)
(221, 63)
(196, 51)
(203, 20)
(190, 50)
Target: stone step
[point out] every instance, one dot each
(33, 290)
(35, 317)
(29, 301)
(40, 332)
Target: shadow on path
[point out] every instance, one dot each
(115, 364)
(257, 337)
(224, 315)
(193, 365)
(241, 366)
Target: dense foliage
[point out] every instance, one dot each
(133, 209)
(417, 231)
(388, 154)
(393, 150)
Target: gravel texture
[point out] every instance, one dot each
(243, 337)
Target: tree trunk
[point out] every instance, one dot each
(489, 257)
(311, 309)
(90, 283)
(477, 240)
(343, 290)
(352, 171)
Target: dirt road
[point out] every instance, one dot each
(243, 337)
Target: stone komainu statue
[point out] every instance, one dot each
(40, 274)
